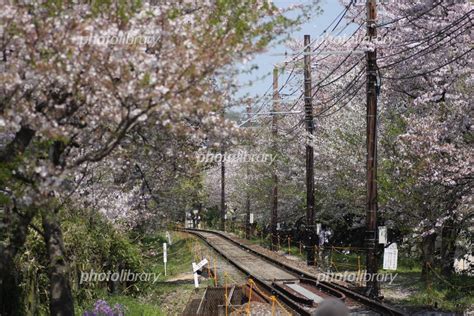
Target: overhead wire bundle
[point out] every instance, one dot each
(347, 93)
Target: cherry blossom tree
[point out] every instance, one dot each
(424, 124)
(76, 79)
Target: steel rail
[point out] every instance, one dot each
(328, 286)
(269, 288)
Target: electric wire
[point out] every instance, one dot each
(429, 71)
(435, 5)
(428, 38)
(338, 18)
(423, 52)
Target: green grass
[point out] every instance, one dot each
(180, 259)
(160, 298)
(347, 262)
(447, 294)
(451, 293)
(135, 306)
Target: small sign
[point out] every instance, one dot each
(278, 226)
(322, 237)
(383, 235)
(165, 256)
(390, 257)
(197, 267)
(188, 223)
(251, 218)
(168, 236)
(318, 228)
(165, 253)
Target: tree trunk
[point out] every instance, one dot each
(448, 247)
(61, 302)
(9, 290)
(13, 232)
(18, 145)
(13, 236)
(427, 253)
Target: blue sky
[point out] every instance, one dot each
(266, 60)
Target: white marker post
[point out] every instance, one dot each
(168, 236)
(165, 254)
(251, 218)
(196, 280)
(196, 268)
(383, 235)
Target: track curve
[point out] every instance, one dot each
(297, 289)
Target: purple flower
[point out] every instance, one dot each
(102, 308)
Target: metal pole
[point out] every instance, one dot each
(274, 215)
(222, 182)
(308, 106)
(247, 204)
(372, 288)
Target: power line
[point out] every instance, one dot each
(409, 15)
(420, 53)
(433, 36)
(344, 105)
(345, 92)
(338, 18)
(429, 71)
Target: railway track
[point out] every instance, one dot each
(298, 290)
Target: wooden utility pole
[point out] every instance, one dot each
(308, 107)
(247, 202)
(274, 216)
(371, 225)
(223, 219)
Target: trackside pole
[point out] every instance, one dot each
(165, 254)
